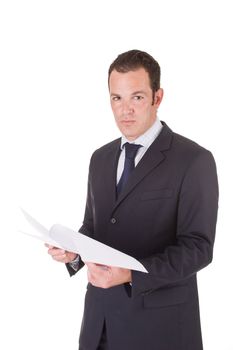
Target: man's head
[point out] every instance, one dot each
(133, 60)
(134, 85)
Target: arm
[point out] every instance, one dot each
(72, 260)
(196, 221)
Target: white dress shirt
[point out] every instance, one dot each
(144, 140)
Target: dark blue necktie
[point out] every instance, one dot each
(130, 154)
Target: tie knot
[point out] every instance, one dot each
(131, 150)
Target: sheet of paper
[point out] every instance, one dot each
(89, 249)
(38, 231)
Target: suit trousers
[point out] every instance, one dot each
(103, 341)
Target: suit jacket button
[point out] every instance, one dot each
(113, 220)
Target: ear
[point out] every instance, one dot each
(158, 96)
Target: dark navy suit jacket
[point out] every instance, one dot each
(165, 217)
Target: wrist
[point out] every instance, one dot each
(75, 258)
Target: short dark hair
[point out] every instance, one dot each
(136, 59)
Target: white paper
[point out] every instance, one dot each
(39, 231)
(89, 249)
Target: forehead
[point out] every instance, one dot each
(138, 79)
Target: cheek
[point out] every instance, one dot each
(117, 118)
(117, 113)
(142, 110)
(115, 106)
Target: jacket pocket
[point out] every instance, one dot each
(157, 194)
(165, 297)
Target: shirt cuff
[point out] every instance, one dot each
(75, 263)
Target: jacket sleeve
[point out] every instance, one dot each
(195, 233)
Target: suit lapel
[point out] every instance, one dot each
(151, 159)
(110, 172)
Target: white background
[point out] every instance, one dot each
(55, 111)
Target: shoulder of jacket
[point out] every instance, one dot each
(106, 148)
(187, 144)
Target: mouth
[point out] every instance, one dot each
(127, 122)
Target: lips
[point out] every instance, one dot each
(127, 122)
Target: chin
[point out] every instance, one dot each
(129, 135)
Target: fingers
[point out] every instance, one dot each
(98, 275)
(106, 276)
(57, 254)
(103, 267)
(48, 245)
(90, 266)
(96, 267)
(60, 255)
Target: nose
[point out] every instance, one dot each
(127, 108)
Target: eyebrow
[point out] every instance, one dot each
(139, 92)
(134, 93)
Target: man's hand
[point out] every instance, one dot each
(107, 276)
(60, 255)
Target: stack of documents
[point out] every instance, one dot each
(88, 248)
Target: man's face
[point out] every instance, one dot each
(132, 102)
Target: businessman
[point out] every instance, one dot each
(152, 194)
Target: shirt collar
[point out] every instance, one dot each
(148, 137)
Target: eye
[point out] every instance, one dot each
(138, 98)
(115, 98)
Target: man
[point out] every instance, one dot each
(152, 194)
